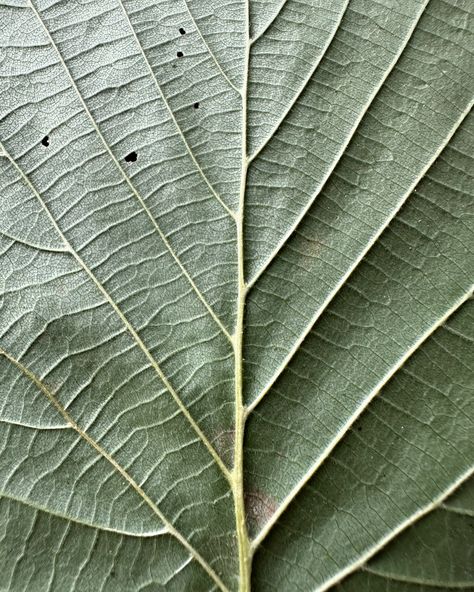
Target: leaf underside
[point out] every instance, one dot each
(236, 315)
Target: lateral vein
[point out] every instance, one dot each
(46, 510)
(350, 421)
(330, 297)
(128, 181)
(341, 151)
(457, 510)
(343, 573)
(270, 23)
(303, 84)
(102, 452)
(171, 114)
(124, 320)
(417, 581)
(211, 53)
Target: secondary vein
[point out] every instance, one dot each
(341, 151)
(330, 297)
(350, 421)
(303, 85)
(362, 560)
(124, 320)
(171, 114)
(211, 53)
(129, 181)
(102, 452)
(269, 23)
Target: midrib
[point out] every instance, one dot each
(243, 543)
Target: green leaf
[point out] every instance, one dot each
(236, 277)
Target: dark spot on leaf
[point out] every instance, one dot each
(45, 141)
(359, 429)
(196, 105)
(260, 507)
(182, 31)
(132, 157)
(180, 54)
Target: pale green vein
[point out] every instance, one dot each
(185, 563)
(341, 150)
(171, 114)
(270, 23)
(30, 426)
(330, 297)
(29, 244)
(344, 429)
(303, 85)
(124, 320)
(100, 527)
(243, 543)
(129, 181)
(456, 510)
(371, 552)
(418, 581)
(128, 478)
(211, 53)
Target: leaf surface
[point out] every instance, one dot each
(236, 315)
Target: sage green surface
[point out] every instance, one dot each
(236, 276)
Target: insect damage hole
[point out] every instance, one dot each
(180, 54)
(182, 31)
(132, 157)
(45, 141)
(196, 105)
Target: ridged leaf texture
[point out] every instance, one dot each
(236, 269)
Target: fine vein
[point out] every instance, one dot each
(124, 320)
(350, 421)
(102, 452)
(330, 297)
(304, 83)
(129, 181)
(342, 149)
(171, 114)
(211, 53)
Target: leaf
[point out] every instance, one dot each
(236, 314)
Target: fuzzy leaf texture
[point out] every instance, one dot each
(236, 269)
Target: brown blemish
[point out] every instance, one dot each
(259, 508)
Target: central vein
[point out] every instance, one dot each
(240, 411)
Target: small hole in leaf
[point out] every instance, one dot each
(180, 54)
(45, 141)
(196, 105)
(182, 31)
(132, 157)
